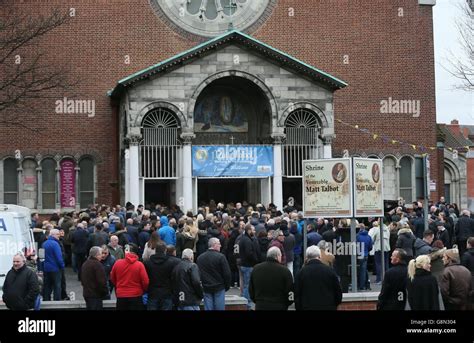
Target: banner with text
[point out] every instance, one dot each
(368, 187)
(232, 161)
(327, 188)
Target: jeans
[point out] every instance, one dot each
(189, 308)
(378, 264)
(362, 273)
(297, 264)
(214, 301)
(130, 304)
(163, 304)
(246, 271)
(94, 304)
(79, 261)
(52, 283)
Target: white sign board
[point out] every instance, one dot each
(327, 188)
(368, 187)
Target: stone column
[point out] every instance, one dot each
(77, 185)
(277, 171)
(186, 198)
(327, 147)
(39, 179)
(20, 182)
(58, 182)
(134, 180)
(127, 174)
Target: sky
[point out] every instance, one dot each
(450, 104)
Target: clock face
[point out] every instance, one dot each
(212, 17)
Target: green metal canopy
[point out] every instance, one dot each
(240, 39)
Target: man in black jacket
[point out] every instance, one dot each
(271, 283)
(21, 286)
(464, 229)
(94, 280)
(249, 252)
(79, 241)
(393, 293)
(215, 276)
(317, 286)
(187, 283)
(160, 268)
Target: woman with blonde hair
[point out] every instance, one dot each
(422, 287)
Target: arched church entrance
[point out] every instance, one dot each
(232, 111)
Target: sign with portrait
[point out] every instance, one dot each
(327, 188)
(368, 187)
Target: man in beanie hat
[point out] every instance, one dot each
(455, 282)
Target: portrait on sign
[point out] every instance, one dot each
(339, 172)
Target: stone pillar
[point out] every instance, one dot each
(327, 147)
(58, 182)
(277, 171)
(127, 174)
(186, 198)
(39, 178)
(265, 191)
(20, 183)
(134, 180)
(78, 191)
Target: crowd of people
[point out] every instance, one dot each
(159, 258)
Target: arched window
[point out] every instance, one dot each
(406, 185)
(10, 181)
(49, 184)
(389, 179)
(86, 182)
(30, 184)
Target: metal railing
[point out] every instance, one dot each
(300, 144)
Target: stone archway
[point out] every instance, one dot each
(233, 73)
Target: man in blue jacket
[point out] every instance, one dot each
(166, 232)
(365, 242)
(53, 264)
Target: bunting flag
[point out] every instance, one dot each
(386, 140)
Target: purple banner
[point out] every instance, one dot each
(68, 183)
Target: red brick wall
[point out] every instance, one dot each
(470, 177)
(389, 56)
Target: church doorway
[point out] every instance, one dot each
(222, 190)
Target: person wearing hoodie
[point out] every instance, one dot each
(159, 268)
(130, 280)
(215, 276)
(423, 246)
(455, 283)
(263, 242)
(167, 233)
(406, 241)
(365, 241)
(298, 249)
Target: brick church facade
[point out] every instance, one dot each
(311, 79)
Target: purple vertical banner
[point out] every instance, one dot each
(68, 183)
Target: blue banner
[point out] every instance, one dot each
(232, 161)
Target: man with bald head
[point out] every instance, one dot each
(21, 286)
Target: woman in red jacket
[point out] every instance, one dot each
(130, 279)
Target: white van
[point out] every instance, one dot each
(15, 236)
